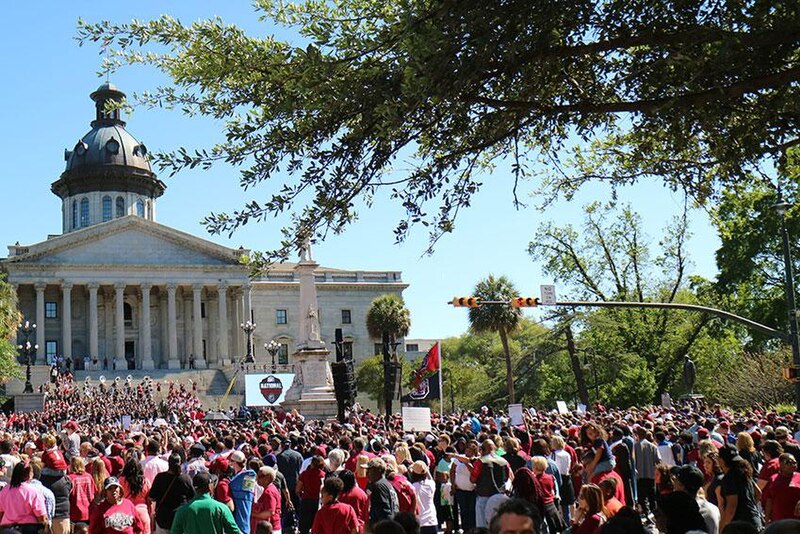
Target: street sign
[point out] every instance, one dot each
(548, 295)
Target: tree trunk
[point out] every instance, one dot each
(509, 373)
(577, 369)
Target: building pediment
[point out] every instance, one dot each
(128, 240)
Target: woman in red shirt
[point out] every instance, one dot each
(308, 487)
(116, 514)
(82, 493)
(588, 518)
(354, 496)
(136, 488)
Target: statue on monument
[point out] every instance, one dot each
(689, 374)
(305, 251)
(312, 325)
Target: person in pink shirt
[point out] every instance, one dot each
(268, 506)
(82, 493)
(354, 496)
(21, 504)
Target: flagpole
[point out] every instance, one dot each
(441, 389)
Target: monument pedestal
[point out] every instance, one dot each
(311, 392)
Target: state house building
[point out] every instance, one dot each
(118, 288)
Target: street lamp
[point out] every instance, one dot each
(272, 347)
(780, 207)
(28, 350)
(248, 328)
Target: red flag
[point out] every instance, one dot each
(430, 364)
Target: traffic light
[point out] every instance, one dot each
(791, 374)
(524, 302)
(466, 302)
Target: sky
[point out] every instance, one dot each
(46, 108)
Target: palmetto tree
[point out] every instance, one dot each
(498, 318)
(388, 313)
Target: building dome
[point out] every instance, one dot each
(107, 159)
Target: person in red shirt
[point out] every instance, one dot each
(115, 515)
(308, 487)
(268, 506)
(334, 517)
(783, 491)
(222, 491)
(771, 450)
(355, 497)
(82, 493)
(548, 484)
(609, 488)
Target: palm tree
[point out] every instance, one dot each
(388, 313)
(497, 318)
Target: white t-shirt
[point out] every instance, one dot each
(463, 482)
(427, 510)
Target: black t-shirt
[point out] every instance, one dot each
(383, 503)
(735, 483)
(169, 492)
(682, 513)
(61, 489)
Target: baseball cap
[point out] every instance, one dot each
(111, 481)
(72, 425)
(691, 478)
(238, 457)
(220, 464)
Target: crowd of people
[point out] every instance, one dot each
(125, 458)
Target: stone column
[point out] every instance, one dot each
(93, 352)
(41, 338)
(223, 349)
(212, 314)
(108, 335)
(163, 321)
(237, 321)
(66, 327)
(147, 342)
(197, 327)
(247, 302)
(172, 328)
(119, 302)
(188, 342)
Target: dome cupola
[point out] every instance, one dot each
(108, 172)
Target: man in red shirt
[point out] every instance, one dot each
(771, 450)
(268, 506)
(334, 517)
(783, 492)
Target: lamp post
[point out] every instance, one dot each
(780, 207)
(248, 328)
(272, 348)
(27, 328)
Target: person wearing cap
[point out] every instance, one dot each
(203, 514)
(788, 444)
(197, 461)
(679, 512)
(242, 486)
(116, 514)
(222, 489)
(383, 503)
(782, 494)
(334, 517)
(738, 490)
(424, 487)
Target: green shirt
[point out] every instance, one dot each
(204, 515)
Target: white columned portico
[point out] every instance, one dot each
(41, 338)
(197, 327)
(93, 353)
(172, 328)
(223, 349)
(119, 301)
(66, 326)
(147, 342)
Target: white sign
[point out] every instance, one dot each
(666, 401)
(581, 408)
(126, 422)
(562, 407)
(515, 413)
(416, 419)
(266, 389)
(548, 295)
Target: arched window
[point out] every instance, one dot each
(74, 214)
(107, 213)
(120, 207)
(84, 212)
(140, 208)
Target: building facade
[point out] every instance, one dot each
(118, 290)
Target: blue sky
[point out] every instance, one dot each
(46, 108)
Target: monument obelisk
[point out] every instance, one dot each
(311, 392)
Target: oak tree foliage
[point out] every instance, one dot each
(416, 99)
